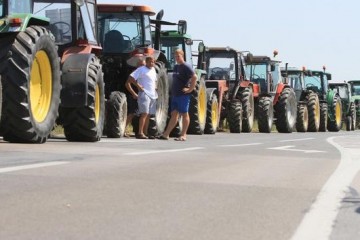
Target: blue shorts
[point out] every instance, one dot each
(146, 104)
(180, 103)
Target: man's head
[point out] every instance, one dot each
(179, 56)
(149, 61)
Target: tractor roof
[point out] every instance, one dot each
(174, 34)
(357, 82)
(338, 84)
(262, 59)
(132, 8)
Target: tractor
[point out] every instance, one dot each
(347, 102)
(308, 102)
(355, 94)
(330, 101)
(273, 99)
(225, 69)
(200, 107)
(50, 71)
(124, 32)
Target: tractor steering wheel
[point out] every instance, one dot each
(65, 29)
(217, 69)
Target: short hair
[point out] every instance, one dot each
(179, 51)
(148, 58)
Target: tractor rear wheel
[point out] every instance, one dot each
(31, 87)
(234, 116)
(85, 124)
(247, 100)
(197, 109)
(334, 121)
(116, 108)
(353, 116)
(286, 109)
(302, 118)
(314, 112)
(265, 115)
(212, 115)
(323, 117)
(157, 123)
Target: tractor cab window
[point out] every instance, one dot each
(168, 47)
(258, 74)
(342, 91)
(295, 81)
(2, 11)
(122, 32)
(60, 19)
(356, 90)
(87, 26)
(219, 68)
(313, 83)
(18, 6)
(275, 75)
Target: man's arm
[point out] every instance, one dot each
(192, 84)
(128, 86)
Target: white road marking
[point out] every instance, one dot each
(318, 222)
(164, 151)
(287, 148)
(298, 139)
(240, 145)
(30, 166)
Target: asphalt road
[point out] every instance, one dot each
(223, 186)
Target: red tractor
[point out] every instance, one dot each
(125, 32)
(266, 91)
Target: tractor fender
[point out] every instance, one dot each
(210, 92)
(74, 80)
(279, 88)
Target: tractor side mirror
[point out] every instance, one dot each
(79, 2)
(272, 67)
(189, 41)
(232, 66)
(249, 58)
(328, 76)
(182, 26)
(201, 47)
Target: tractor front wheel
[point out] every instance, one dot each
(334, 121)
(302, 118)
(212, 115)
(286, 110)
(234, 117)
(247, 100)
(116, 108)
(265, 114)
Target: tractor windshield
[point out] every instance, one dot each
(123, 32)
(220, 66)
(18, 6)
(314, 82)
(60, 19)
(168, 47)
(294, 79)
(342, 90)
(355, 89)
(2, 10)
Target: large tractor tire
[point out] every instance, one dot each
(0, 99)
(115, 121)
(286, 109)
(31, 87)
(247, 100)
(85, 124)
(234, 116)
(353, 116)
(313, 105)
(265, 115)
(197, 109)
(334, 121)
(323, 117)
(212, 115)
(302, 118)
(157, 123)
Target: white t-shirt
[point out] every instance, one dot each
(147, 78)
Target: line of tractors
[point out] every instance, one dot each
(65, 62)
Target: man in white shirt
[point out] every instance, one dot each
(144, 78)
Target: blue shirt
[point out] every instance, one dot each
(181, 76)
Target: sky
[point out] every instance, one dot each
(310, 33)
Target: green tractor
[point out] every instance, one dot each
(330, 101)
(203, 107)
(348, 104)
(50, 71)
(355, 95)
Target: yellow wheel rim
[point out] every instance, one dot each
(97, 103)
(317, 113)
(40, 86)
(338, 112)
(202, 104)
(214, 114)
